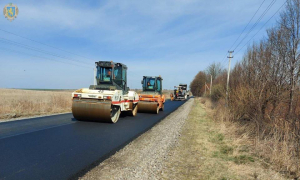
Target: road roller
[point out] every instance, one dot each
(151, 98)
(108, 98)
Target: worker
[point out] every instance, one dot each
(107, 76)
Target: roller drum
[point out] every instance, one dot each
(148, 107)
(95, 111)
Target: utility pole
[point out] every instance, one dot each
(210, 85)
(227, 88)
(205, 89)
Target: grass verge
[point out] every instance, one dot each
(204, 151)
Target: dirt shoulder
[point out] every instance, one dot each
(188, 144)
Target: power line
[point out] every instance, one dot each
(257, 21)
(224, 59)
(3, 48)
(37, 49)
(43, 44)
(262, 27)
(253, 26)
(248, 23)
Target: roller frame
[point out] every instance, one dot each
(90, 105)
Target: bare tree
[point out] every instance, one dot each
(290, 23)
(265, 85)
(215, 69)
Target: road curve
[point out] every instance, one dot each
(60, 147)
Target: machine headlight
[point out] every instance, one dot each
(77, 95)
(107, 97)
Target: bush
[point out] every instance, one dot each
(217, 92)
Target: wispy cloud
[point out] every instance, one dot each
(177, 37)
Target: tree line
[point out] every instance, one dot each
(264, 87)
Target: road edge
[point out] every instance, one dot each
(114, 151)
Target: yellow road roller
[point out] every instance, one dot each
(105, 101)
(151, 98)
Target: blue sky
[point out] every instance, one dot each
(172, 38)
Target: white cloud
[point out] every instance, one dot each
(139, 33)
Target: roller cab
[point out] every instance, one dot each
(104, 101)
(151, 98)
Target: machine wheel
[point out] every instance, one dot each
(115, 114)
(162, 107)
(84, 110)
(134, 111)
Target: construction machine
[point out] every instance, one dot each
(104, 101)
(151, 98)
(180, 92)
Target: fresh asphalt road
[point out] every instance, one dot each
(60, 147)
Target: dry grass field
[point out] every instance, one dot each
(23, 103)
(167, 93)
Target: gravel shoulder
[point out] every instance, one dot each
(144, 157)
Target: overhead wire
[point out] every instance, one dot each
(44, 44)
(224, 59)
(20, 52)
(248, 23)
(253, 26)
(256, 23)
(262, 27)
(37, 49)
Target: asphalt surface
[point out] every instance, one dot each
(60, 147)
